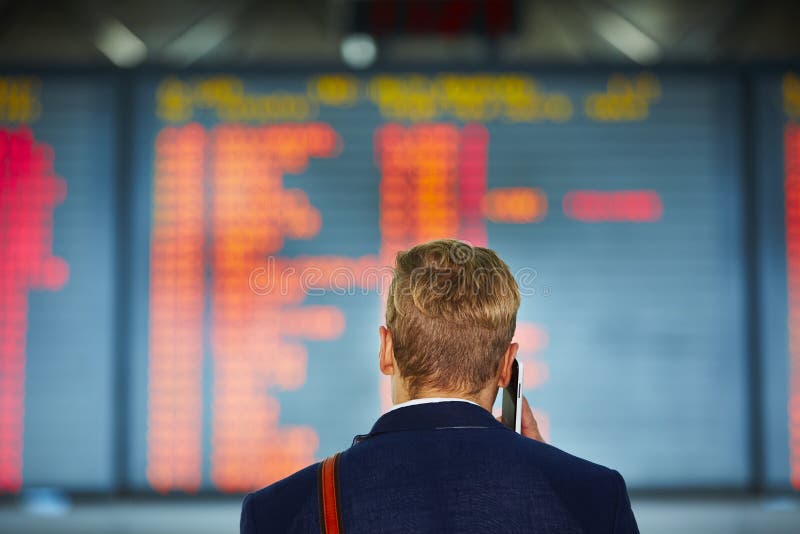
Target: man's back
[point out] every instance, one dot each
(450, 467)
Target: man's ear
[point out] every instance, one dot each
(386, 352)
(504, 374)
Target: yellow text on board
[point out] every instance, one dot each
(177, 100)
(791, 95)
(19, 99)
(625, 99)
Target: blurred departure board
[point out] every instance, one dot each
(268, 209)
(778, 155)
(56, 253)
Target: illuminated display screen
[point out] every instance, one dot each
(56, 253)
(266, 209)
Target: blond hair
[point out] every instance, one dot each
(452, 311)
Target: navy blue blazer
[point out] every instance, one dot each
(449, 467)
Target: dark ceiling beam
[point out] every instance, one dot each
(730, 39)
(564, 28)
(9, 16)
(701, 31)
(46, 30)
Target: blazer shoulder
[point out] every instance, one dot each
(595, 494)
(281, 506)
(563, 460)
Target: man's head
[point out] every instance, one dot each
(450, 316)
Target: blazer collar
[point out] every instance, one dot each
(432, 416)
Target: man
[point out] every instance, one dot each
(438, 461)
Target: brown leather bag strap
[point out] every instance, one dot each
(330, 519)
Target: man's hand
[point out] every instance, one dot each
(530, 428)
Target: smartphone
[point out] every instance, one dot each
(512, 399)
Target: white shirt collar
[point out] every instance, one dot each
(428, 400)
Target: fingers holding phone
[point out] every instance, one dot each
(517, 413)
(530, 428)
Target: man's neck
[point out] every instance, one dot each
(482, 399)
(432, 400)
